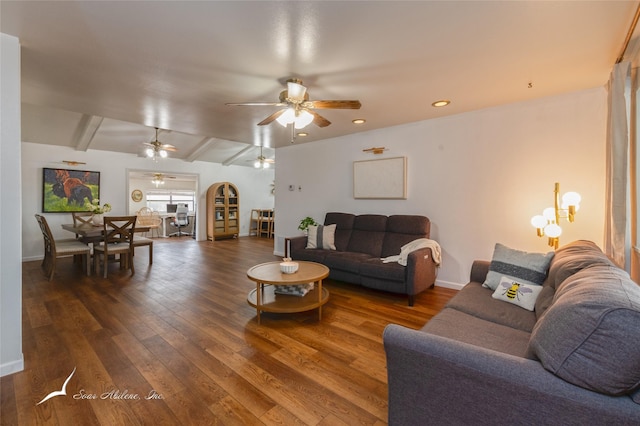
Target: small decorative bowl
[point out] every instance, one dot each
(288, 267)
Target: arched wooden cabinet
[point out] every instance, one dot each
(223, 211)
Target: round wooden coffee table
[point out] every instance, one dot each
(268, 276)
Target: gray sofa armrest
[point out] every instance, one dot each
(421, 271)
(436, 380)
(479, 271)
(295, 244)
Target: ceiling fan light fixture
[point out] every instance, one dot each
(163, 153)
(287, 117)
(296, 91)
(303, 119)
(149, 152)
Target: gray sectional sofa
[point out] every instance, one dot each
(360, 243)
(574, 360)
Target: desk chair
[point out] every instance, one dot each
(117, 239)
(180, 220)
(53, 249)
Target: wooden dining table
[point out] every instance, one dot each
(94, 233)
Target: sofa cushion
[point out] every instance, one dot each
(345, 261)
(476, 300)
(463, 327)
(321, 237)
(519, 294)
(368, 234)
(589, 335)
(572, 258)
(544, 300)
(374, 267)
(524, 267)
(311, 255)
(402, 229)
(344, 225)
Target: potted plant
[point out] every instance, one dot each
(305, 223)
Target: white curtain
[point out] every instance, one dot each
(617, 227)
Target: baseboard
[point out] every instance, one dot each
(12, 366)
(32, 258)
(449, 284)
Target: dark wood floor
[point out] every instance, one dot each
(182, 329)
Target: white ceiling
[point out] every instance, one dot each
(101, 74)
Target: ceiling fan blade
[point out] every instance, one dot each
(257, 104)
(168, 147)
(271, 118)
(344, 104)
(319, 120)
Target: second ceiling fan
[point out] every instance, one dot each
(298, 108)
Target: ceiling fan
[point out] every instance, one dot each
(298, 108)
(262, 162)
(158, 178)
(157, 149)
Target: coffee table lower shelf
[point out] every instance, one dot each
(286, 303)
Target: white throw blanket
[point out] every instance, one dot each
(412, 246)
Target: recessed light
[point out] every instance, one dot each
(303, 134)
(440, 103)
(358, 121)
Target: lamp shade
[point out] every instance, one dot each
(549, 213)
(539, 221)
(303, 119)
(149, 152)
(553, 230)
(571, 199)
(295, 91)
(287, 117)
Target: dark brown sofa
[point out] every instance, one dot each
(361, 241)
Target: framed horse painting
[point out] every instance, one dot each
(65, 191)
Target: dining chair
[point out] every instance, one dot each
(149, 219)
(117, 240)
(53, 249)
(140, 241)
(83, 219)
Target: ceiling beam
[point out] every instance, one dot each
(231, 159)
(86, 131)
(202, 146)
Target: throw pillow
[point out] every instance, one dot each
(520, 266)
(321, 236)
(519, 294)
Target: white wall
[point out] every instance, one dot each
(11, 359)
(479, 176)
(253, 185)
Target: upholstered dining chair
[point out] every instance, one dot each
(117, 239)
(53, 249)
(140, 241)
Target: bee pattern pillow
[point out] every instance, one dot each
(520, 294)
